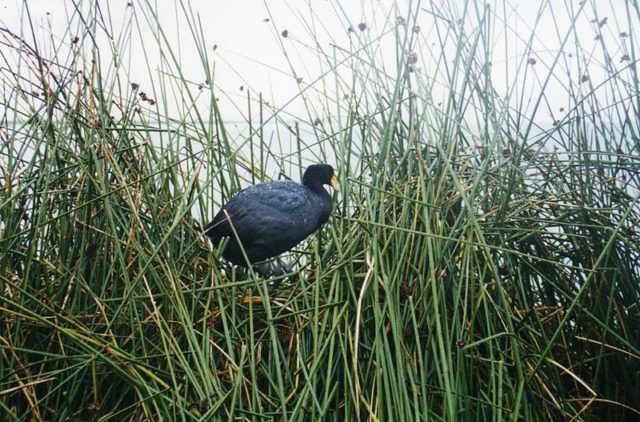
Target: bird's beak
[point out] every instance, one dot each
(334, 183)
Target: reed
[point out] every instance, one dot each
(481, 262)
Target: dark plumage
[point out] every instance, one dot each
(271, 218)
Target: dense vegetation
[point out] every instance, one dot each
(481, 262)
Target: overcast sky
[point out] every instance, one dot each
(243, 38)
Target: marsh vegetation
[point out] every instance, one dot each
(481, 261)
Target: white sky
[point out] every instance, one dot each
(251, 52)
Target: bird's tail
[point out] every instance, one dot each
(212, 233)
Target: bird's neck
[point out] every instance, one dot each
(317, 188)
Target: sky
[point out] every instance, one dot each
(246, 49)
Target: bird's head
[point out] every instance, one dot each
(320, 174)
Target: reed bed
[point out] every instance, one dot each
(481, 262)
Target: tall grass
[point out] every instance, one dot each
(482, 258)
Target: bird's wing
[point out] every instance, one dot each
(282, 196)
(261, 221)
(260, 211)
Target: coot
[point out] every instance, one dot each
(271, 218)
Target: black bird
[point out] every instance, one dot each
(271, 218)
